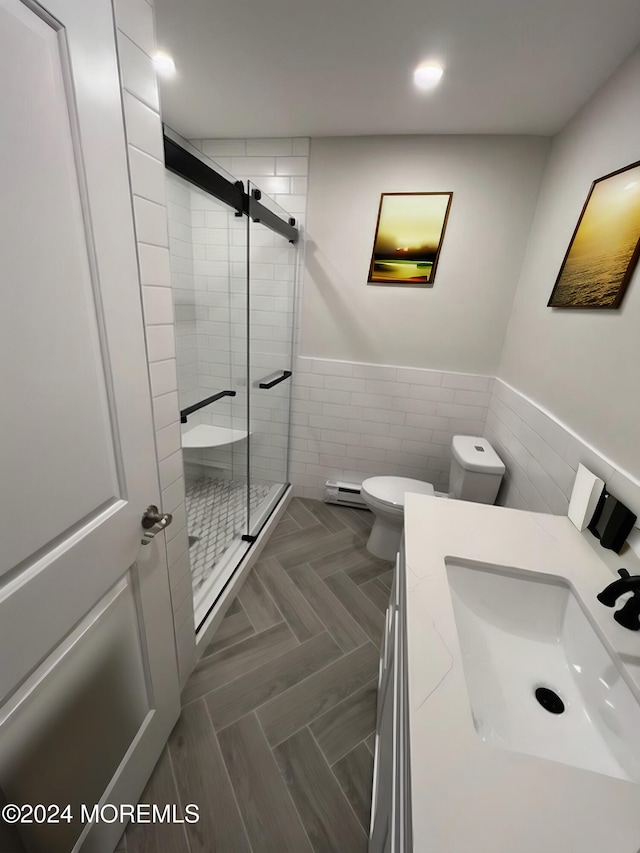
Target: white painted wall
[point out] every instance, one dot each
(581, 364)
(459, 323)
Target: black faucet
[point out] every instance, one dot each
(629, 615)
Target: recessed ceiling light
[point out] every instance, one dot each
(164, 64)
(427, 75)
(631, 185)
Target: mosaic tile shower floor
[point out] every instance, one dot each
(216, 514)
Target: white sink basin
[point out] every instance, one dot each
(520, 631)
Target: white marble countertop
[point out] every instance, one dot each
(468, 796)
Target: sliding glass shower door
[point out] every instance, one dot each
(271, 302)
(233, 281)
(209, 285)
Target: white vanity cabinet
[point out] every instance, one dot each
(391, 802)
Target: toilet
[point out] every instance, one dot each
(475, 475)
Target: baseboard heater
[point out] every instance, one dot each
(344, 494)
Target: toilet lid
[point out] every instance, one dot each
(391, 490)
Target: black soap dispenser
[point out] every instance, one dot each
(612, 522)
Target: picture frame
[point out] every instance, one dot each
(408, 239)
(605, 245)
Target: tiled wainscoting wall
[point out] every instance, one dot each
(351, 421)
(542, 456)
(136, 44)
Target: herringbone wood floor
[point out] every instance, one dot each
(275, 741)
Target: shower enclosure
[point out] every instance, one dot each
(233, 260)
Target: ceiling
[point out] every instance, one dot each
(265, 68)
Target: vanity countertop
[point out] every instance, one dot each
(468, 795)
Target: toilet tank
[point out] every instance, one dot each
(476, 470)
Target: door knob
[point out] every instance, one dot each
(154, 522)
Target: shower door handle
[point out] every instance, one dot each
(154, 522)
(269, 384)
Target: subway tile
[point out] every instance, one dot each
(472, 398)
(138, 73)
(340, 411)
(389, 416)
(167, 441)
(273, 185)
(163, 377)
(299, 185)
(160, 343)
(165, 410)
(432, 393)
(291, 166)
(332, 461)
(326, 422)
(312, 408)
(151, 222)
(186, 649)
(552, 432)
(369, 427)
(578, 452)
(134, 18)
(292, 203)
(415, 376)
(453, 410)
(144, 130)
(376, 401)
(375, 372)
(179, 570)
(270, 147)
(466, 381)
(254, 166)
(301, 146)
(173, 496)
(626, 489)
(332, 447)
(309, 380)
(427, 421)
(419, 448)
(224, 147)
(386, 387)
(179, 521)
(178, 545)
(417, 433)
(171, 469)
(158, 305)
(558, 468)
(438, 464)
(342, 383)
(384, 442)
(367, 453)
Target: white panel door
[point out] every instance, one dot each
(88, 676)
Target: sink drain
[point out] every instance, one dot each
(549, 700)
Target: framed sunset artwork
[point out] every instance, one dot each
(605, 246)
(408, 238)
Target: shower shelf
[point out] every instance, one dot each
(203, 435)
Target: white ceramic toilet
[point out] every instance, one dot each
(475, 475)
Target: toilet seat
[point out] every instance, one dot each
(389, 492)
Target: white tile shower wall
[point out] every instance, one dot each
(279, 167)
(182, 283)
(351, 421)
(542, 456)
(143, 127)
